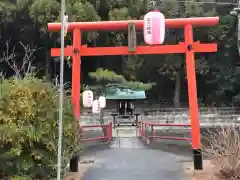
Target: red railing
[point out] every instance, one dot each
(149, 138)
(107, 128)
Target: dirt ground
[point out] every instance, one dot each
(208, 173)
(82, 168)
(77, 176)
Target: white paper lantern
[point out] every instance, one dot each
(154, 28)
(102, 101)
(87, 98)
(96, 107)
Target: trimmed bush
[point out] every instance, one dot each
(29, 129)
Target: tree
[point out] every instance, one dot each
(28, 126)
(173, 66)
(104, 78)
(27, 21)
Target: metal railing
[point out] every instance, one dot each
(106, 127)
(148, 135)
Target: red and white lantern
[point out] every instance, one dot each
(87, 98)
(96, 107)
(154, 28)
(102, 101)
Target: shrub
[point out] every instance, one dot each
(29, 129)
(224, 149)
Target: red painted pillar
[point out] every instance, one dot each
(192, 97)
(76, 72)
(76, 67)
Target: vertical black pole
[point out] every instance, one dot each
(74, 164)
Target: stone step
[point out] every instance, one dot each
(125, 132)
(129, 142)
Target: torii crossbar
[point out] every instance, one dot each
(188, 47)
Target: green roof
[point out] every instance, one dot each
(115, 93)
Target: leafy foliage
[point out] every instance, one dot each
(29, 129)
(106, 78)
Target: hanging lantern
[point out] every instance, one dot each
(96, 107)
(102, 101)
(154, 28)
(87, 98)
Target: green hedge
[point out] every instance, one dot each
(29, 129)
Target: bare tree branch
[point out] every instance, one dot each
(8, 56)
(2, 75)
(23, 66)
(56, 81)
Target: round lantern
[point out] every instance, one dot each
(96, 107)
(154, 28)
(102, 101)
(87, 98)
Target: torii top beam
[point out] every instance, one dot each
(121, 25)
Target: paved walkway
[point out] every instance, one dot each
(128, 159)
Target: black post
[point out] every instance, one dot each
(197, 159)
(137, 114)
(74, 164)
(114, 119)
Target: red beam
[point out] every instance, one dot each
(94, 126)
(68, 51)
(93, 139)
(140, 50)
(171, 138)
(197, 47)
(121, 25)
(169, 125)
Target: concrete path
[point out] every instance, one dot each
(129, 159)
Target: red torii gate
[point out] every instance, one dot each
(189, 47)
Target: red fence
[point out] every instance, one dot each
(149, 138)
(107, 135)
